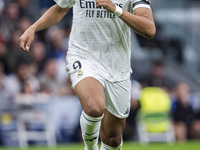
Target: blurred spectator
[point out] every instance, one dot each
(2, 76)
(66, 125)
(48, 78)
(154, 123)
(10, 20)
(31, 77)
(1, 38)
(14, 55)
(38, 52)
(182, 112)
(2, 5)
(26, 95)
(24, 23)
(3, 49)
(56, 38)
(157, 77)
(2, 83)
(24, 8)
(14, 81)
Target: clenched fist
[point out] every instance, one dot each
(106, 4)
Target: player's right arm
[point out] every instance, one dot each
(52, 16)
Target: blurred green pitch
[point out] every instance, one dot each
(191, 145)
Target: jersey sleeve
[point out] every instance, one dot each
(140, 3)
(65, 3)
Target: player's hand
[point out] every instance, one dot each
(26, 39)
(106, 4)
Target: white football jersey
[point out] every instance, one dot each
(101, 36)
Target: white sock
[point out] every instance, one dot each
(90, 127)
(107, 147)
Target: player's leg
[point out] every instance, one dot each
(111, 132)
(117, 96)
(91, 95)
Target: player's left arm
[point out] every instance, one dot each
(141, 22)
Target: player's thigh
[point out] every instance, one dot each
(91, 94)
(88, 84)
(111, 129)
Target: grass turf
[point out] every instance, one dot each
(192, 145)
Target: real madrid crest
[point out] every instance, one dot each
(80, 73)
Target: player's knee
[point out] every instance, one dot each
(113, 141)
(95, 111)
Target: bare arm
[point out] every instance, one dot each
(142, 22)
(52, 16)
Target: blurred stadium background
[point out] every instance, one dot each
(38, 106)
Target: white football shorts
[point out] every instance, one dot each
(117, 94)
